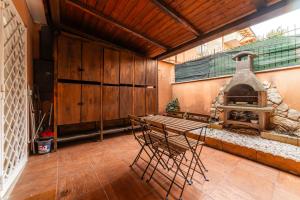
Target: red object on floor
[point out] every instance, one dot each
(47, 133)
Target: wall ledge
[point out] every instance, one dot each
(228, 76)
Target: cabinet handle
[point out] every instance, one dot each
(80, 69)
(80, 103)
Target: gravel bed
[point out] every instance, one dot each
(257, 143)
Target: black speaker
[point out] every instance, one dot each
(43, 78)
(46, 43)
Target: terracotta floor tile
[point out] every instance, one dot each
(281, 194)
(251, 183)
(100, 170)
(288, 182)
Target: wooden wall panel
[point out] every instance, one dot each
(110, 102)
(126, 101)
(139, 71)
(68, 103)
(92, 58)
(126, 68)
(151, 72)
(139, 101)
(111, 66)
(69, 58)
(91, 103)
(151, 101)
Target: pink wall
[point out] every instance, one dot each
(164, 84)
(197, 96)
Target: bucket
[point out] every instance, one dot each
(44, 146)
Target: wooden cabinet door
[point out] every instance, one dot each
(91, 103)
(151, 72)
(68, 103)
(126, 68)
(126, 101)
(139, 101)
(151, 101)
(69, 58)
(110, 102)
(139, 71)
(111, 66)
(92, 56)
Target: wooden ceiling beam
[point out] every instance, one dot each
(55, 11)
(174, 14)
(260, 4)
(92, 11)
(263, 14)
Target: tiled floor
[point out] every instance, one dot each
(100, 170)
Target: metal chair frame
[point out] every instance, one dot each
(168, 149)
(143, 126)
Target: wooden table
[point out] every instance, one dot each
(177, 125)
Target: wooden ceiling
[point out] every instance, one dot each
(159, 28)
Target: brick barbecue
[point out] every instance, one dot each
(245, 98)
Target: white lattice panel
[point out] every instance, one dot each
(13, 93)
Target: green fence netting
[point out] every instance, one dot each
(276, 52)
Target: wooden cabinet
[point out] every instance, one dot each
(139, 71)
(91, 103)
(151, 101)
(68, 101)
(126, 101)
(110, 102)
(151, 72)
(77, 103)
(111, 66)
(95, 83)
(69, 58)
(139, 101)
(92, 59)
(126, 68)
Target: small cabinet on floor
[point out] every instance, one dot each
(77, 103)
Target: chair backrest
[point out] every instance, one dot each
(136, 121)
(161, 128)
(176, 114)
(198, 117)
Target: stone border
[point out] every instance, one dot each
(280, 138)
(278, 162)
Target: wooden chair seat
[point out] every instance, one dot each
(180, 140)
(144, 138)
(172, 150)
(177, 143)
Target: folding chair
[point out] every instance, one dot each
(194, 146)
(142, 138)
(167, 146)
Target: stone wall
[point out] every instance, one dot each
(284, 119)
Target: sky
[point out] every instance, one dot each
(286, 21)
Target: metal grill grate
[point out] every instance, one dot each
(13, 92)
